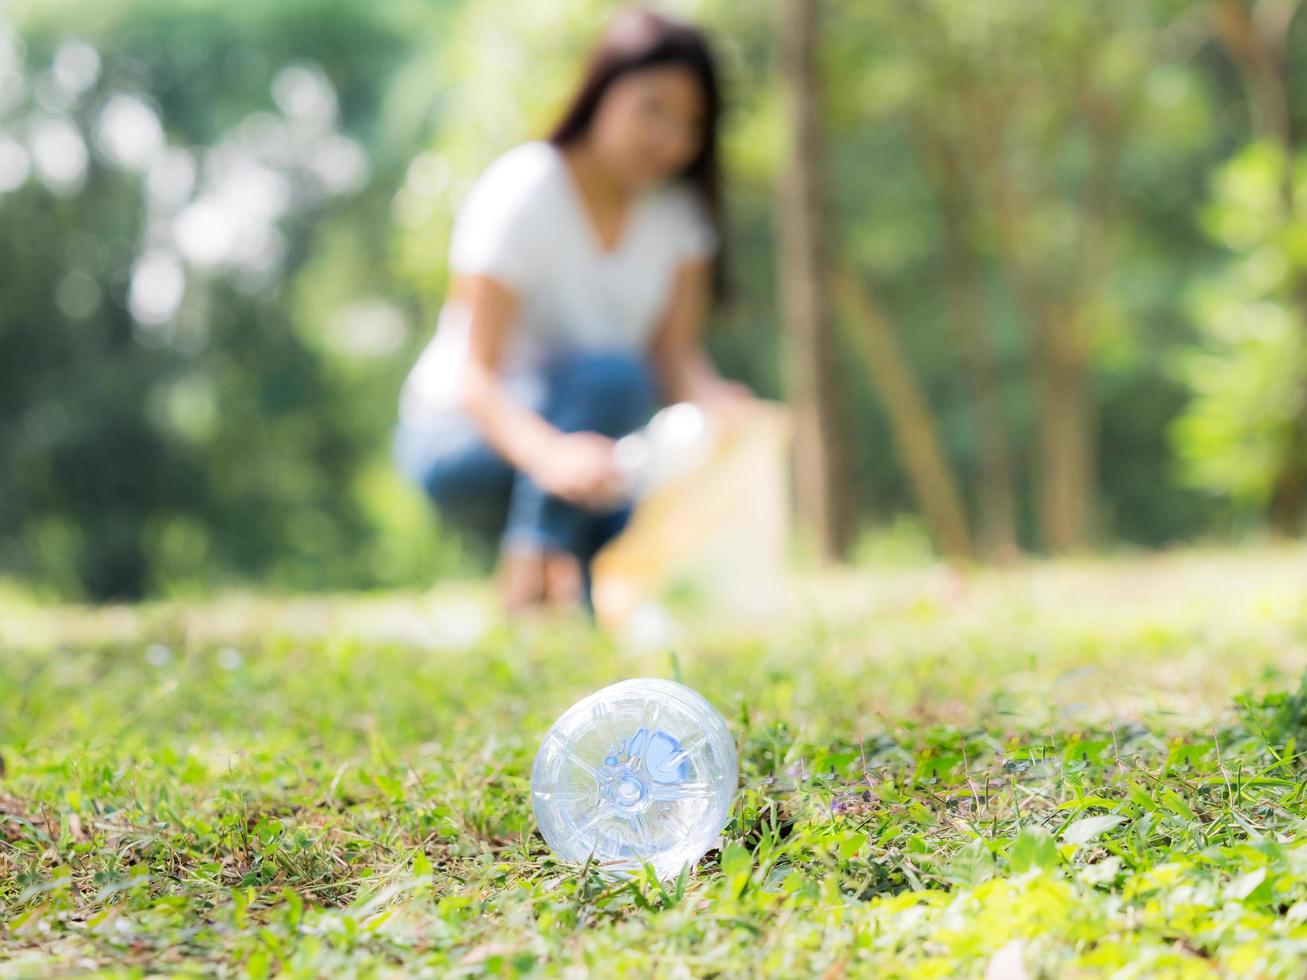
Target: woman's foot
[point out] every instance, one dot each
(521, 580)
(564, 589)
(534, 581)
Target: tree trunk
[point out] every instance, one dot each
(933, 483)
(996, 490)
(812, 387)
(1054, 315)
(996, 500)
(1066, 432)
(1061, 392)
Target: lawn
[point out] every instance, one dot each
(1066, 769)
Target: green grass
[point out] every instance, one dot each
(1082, 768)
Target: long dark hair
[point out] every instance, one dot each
(635, 39)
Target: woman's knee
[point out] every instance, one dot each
(608, 392)
(465, 480)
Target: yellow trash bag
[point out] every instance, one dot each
(719, 532)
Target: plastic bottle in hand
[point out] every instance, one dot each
(677, 440)
(643, 771)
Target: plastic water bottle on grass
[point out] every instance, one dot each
(641, 772)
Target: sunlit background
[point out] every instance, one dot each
(223, 231)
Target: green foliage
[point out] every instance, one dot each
(246, 436)
(1249, 377)
(1043, 766)
(911, 81)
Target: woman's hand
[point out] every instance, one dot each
(579, 467)
(684, 368)
(726, 401)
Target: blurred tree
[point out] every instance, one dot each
(872, 340)
(960, 209)
(1024, 177)
(1240, 435)
(820, 485)
(1256, 37)
(167, 419)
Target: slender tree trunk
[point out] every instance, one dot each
(870, 337)
(820, 489)
(1057, 383)
(996, 502)
(1070, 435)
(1066, 432)
(996, 490)
(1055, 317)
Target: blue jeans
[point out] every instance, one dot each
(478, 491)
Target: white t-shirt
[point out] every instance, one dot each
(524, 224)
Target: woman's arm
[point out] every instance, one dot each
(514, 431)
(576, 466)
(684, 368)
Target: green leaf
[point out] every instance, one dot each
(421, 865)
(1139, 797)
(1083, 831)
(1244, 886)
(1033, 847)
(682, 879)
(972, 865)
(851, 844)
(258, 965)
(294, 907)
(1176, 804)
(736, 859)
(737, 865)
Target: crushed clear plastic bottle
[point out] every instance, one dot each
(640, 772)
